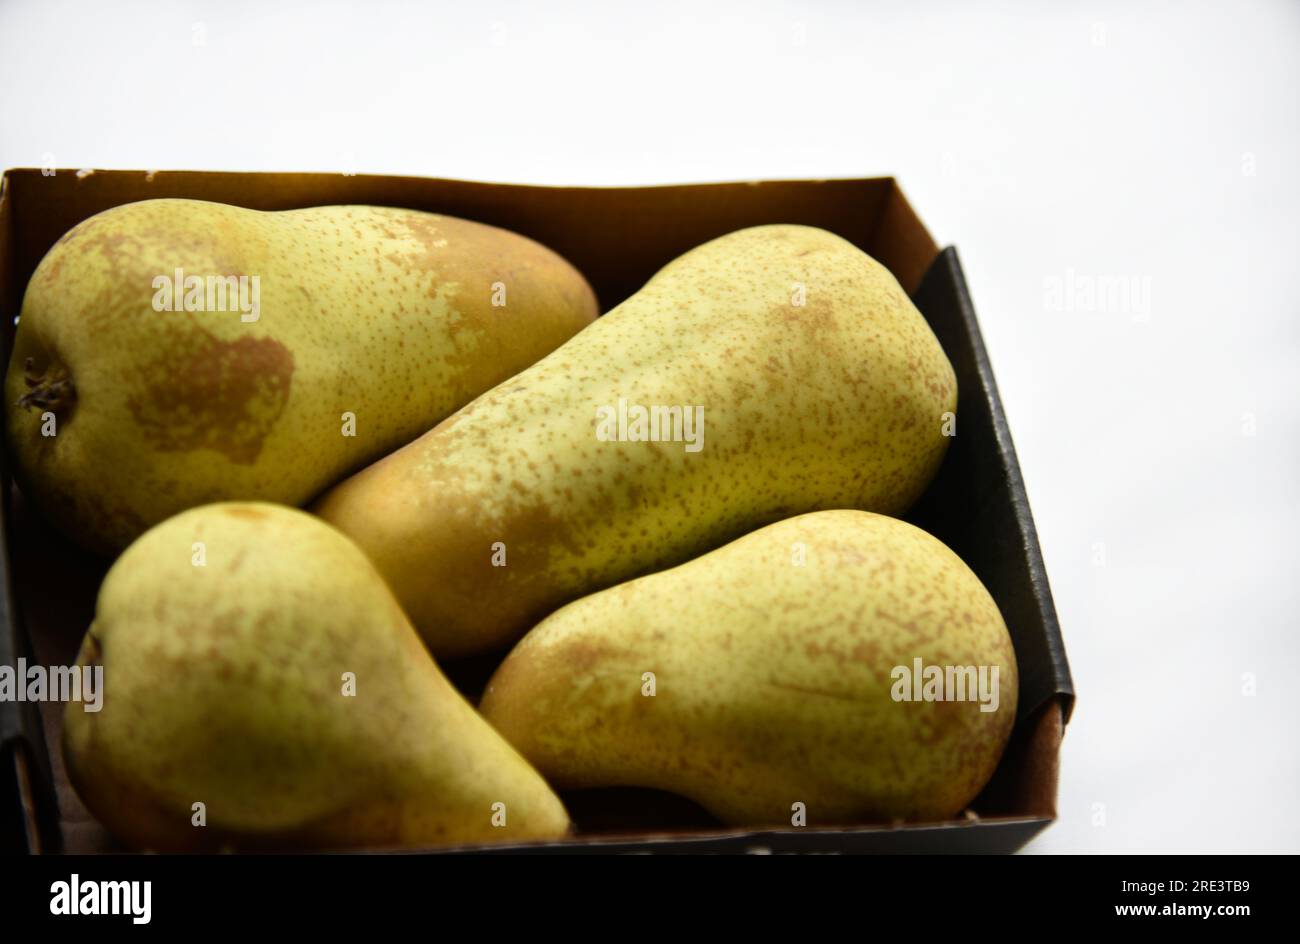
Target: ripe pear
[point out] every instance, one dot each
(354, 330)
(769, 673)
(255, 663)
(803, 379)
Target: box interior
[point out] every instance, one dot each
(618, 237)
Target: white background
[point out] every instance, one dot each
(1048, 141)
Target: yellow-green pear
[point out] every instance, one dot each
(172, 353)
(837, 667)
(262, 688)
(770, 372)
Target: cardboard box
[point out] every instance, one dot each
(618, 237)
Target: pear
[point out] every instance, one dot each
(323, 338)
(775, 680)
(774, 371)
(262, 689)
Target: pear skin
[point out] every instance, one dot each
(776, 664)
(819, 383)
(358, 329)
(255, 663)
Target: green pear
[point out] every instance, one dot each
(771, 372)
(172, 353)
(262, 688)
(779, 670)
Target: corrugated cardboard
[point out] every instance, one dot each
(618, 237)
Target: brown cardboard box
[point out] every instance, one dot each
(618, 237)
